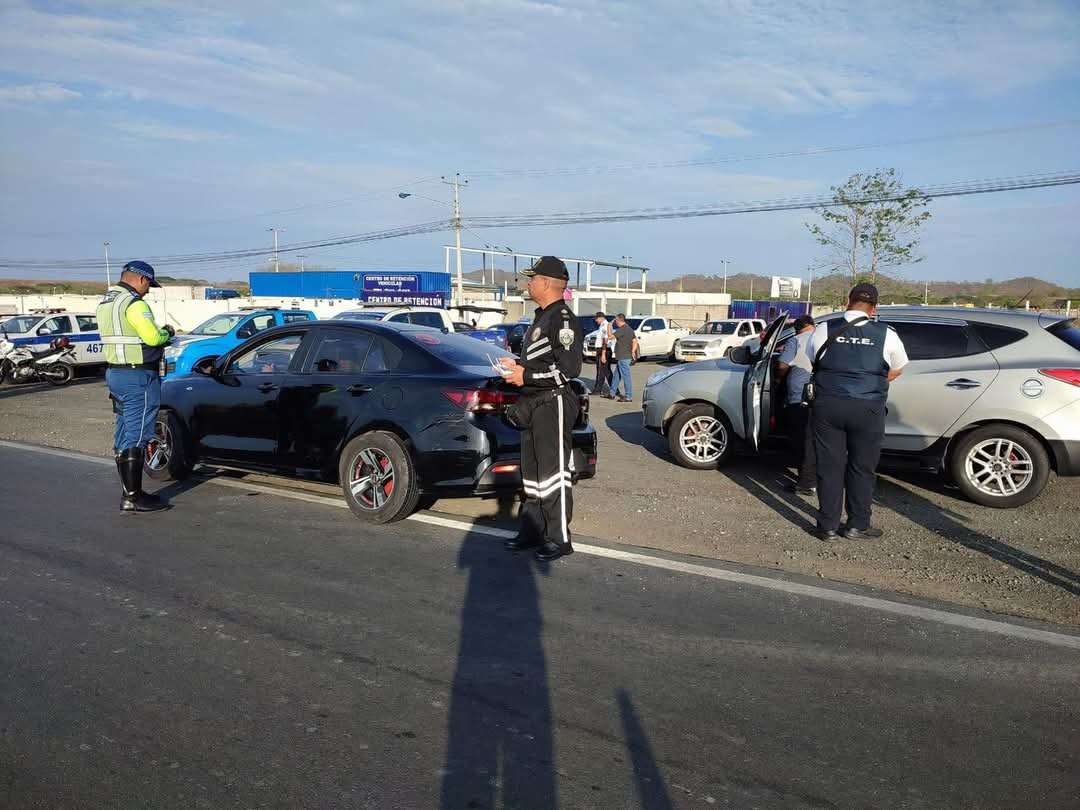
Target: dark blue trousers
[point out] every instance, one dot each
(847, 437)
(137, 394)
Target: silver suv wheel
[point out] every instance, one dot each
(999, 467)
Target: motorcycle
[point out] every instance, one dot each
(55, 365)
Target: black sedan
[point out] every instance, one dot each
(392, 412)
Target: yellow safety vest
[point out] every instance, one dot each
(124, 343)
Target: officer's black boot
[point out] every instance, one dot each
(130, 464)
(552, 551)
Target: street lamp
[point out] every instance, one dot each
(456, 183)
(108, 275)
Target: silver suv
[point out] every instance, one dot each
(991, 398)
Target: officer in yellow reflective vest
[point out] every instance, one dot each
(133, 347)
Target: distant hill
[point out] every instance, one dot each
(832, 287)
(14, 286)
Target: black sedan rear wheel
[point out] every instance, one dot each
(379, 478)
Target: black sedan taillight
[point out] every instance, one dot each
(483, 400)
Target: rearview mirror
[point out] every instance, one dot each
(205, 366)
(742, 355)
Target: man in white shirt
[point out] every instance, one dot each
(794, 368)
(851, 381)
(603, 360)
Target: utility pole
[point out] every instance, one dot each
(626, 261)
(108, 273)
(301, 258)
(751, 286)
(926, 294)
(810, 284)
(275, 231)
(456, 183)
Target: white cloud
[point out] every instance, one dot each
(34, 93)
(166, 132)
(721, 128)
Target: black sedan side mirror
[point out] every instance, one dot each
(206, 366)
(742, 355)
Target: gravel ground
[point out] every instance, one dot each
(1022, 562)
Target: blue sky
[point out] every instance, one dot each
(176, 127)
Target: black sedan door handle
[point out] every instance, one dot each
(358, 389)
(266, 386)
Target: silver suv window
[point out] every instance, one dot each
(935, 341)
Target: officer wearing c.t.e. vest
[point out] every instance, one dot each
(134, 344)
(861, 357)
(550, 357)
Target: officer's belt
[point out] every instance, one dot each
(147, 366)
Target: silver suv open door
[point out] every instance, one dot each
(757, 386)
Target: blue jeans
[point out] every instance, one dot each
(136, 393)
(621, 374)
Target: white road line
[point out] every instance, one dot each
(711, 572)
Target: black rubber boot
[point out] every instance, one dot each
(130, 465)
(552, 551)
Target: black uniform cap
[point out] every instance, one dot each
(867, 293)
(550, 266)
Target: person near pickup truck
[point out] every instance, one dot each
(794, 367)
(546, 411)
(627, 349)
(604, 339)
(858, 359)
(134, 345)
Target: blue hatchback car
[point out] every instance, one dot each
(221, 333)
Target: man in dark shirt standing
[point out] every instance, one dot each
(626, 349)
(550, 357)
(859, 358)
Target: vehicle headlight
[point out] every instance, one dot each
(171, 352)
(660, 376)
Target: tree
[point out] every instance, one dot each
(872, 224)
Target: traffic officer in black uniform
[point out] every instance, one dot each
(550, 357)
(858, 359)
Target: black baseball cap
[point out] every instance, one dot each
(866, 293)
(550, 266)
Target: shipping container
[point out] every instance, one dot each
(415, 287)
(768, 310)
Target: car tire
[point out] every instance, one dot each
(395, 493)
(690, 448)
(1000, 466)
(167, 457)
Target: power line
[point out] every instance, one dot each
(789, 204)
(808, 152)
(805, 202)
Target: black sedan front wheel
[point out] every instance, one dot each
(166, 453)
(379, 478)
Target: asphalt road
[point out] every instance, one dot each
(1023, 562)
(247, 650)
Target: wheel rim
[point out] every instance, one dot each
(703, 439)
(372, 479)
(159, 448)
(999, 467)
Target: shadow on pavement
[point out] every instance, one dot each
(649, 781)
(627, 426)
(499, 750)
(949, 526)
(767, 485)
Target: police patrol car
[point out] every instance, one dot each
(41, 327)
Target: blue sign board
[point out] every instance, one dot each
(398, 288)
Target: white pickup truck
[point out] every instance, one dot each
(656, 337)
